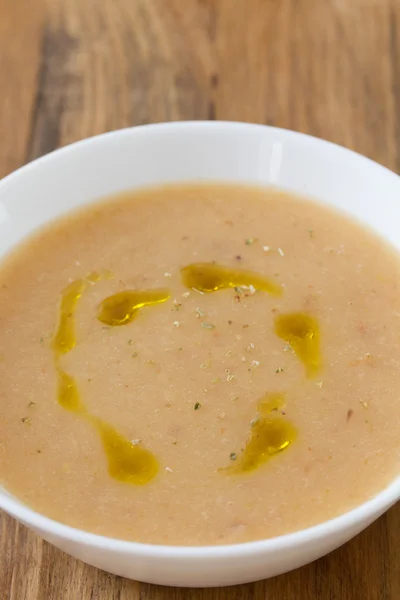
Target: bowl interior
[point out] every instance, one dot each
(127, 159)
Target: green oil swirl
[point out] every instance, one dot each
(302, 332)
(65, 337)
(210, 277)
(270, 434)
(127, 462)
(122, 308)
(68, 393)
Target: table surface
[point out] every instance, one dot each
(74, 68)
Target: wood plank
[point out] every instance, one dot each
(74, 68)
(20, 51)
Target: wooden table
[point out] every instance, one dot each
(74, 68)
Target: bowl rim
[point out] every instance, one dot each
(137, 130)
(363, 513)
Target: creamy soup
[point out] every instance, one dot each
(199, 364)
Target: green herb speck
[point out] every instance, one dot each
(279, 370)
(233, 456)
(207, 325)
(197, 406)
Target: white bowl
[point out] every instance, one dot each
(121, 160)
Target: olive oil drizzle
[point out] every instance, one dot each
(210, 277)
(65, 338)
(301, 331)
(270, 434)
(127, 462)
(122, 308)
(271, 431)
(68, 393)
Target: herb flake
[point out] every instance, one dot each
(206, 325)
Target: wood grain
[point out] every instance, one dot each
(74, 68)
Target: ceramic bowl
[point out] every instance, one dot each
(199, 151)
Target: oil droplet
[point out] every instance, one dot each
(127, 462)
(270, 402)
(209, 277)
(121, 308)
(301, 331)
(268, 437)
(64, 339)
(68, 394)
(270, 434)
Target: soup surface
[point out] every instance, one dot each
(199, 364)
